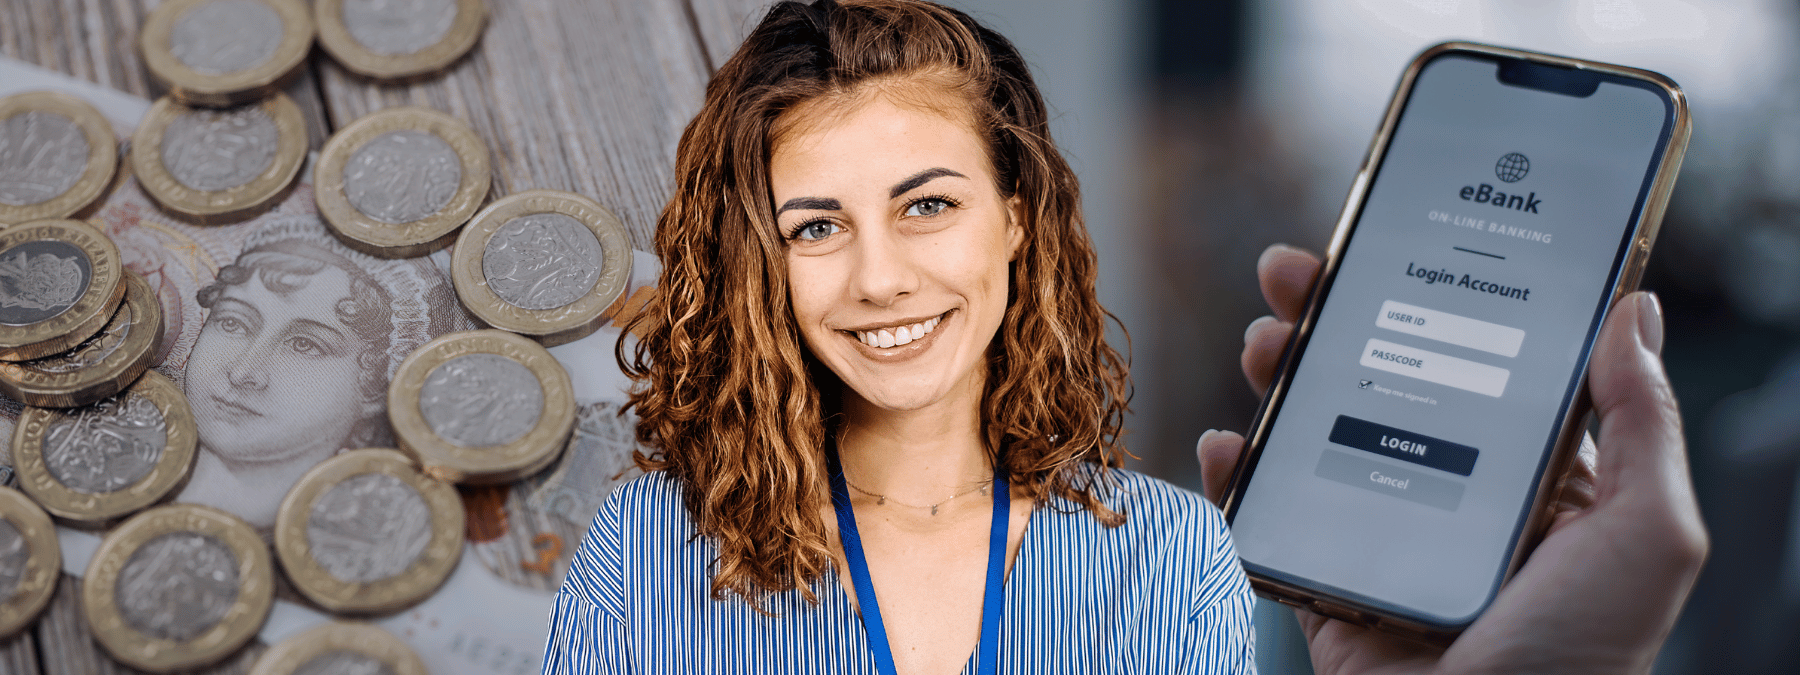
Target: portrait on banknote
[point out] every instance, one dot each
(291, 365)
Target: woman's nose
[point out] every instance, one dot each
(885, 271)
(247, 373)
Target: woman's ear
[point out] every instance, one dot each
(1015, 227)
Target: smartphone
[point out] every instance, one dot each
(1401, 464)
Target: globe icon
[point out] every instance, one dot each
(1512, 167)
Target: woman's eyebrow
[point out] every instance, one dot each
(809, 203)
(920, 178)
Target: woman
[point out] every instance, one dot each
(293, 361)
(875, 258)
(876, 358)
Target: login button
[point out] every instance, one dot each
(1404, 445)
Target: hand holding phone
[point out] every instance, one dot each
(1625, 542)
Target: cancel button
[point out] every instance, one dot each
(1377, 476)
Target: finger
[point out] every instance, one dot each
(1218, 452)
(1286, 275)
(1263, 341)
(1643, 459)
(1579, 486)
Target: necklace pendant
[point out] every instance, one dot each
(984, 490)
(934, 509)
(881, 500)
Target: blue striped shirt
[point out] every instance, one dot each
(1163, 593)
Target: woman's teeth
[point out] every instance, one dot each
(894, 337)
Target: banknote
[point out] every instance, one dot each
(284, 340)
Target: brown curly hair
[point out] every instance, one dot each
(729, 399)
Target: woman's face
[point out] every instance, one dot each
(898, 247)
(273, 375)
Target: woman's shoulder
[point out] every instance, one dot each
(1171, 536)
(1151, 506)
(640, 517)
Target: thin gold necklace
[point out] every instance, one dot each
(881, 499)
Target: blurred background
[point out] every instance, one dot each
(1205, 131)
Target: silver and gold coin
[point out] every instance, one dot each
(366, 531)
(30, 561)
(225, 52)
(337, 648)
(542, 263)
(483, 406)
(57, 155)
(398, 38)
(397, 183)
(60, 282)
(219, 165)
(93, 464)
(100, 366)
(178, 587)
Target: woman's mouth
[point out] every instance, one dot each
(233, 409)
(898, 341)
(895, 336)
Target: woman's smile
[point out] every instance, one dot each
(891, 341)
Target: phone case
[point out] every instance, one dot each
(1574, 422)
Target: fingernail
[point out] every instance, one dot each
(1254, 325)
(1269, 252)
(1202, 442)
(1650, 321)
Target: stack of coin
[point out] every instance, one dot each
(30, 561)
(225, 52)
(95, 464)
(542, 263)
(219, 165)
(100, 366)
(482, 407)
(340, 647)
(178, 587)
(398, 183)
(386, 39)
(366, 531)
(57, 155)
(60, 282)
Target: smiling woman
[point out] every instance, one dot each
(876, 358)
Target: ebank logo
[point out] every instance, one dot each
(1512, 167)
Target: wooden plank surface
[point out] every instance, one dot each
(97, 40)
(589, 97)
(722, 24)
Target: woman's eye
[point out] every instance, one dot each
(230, 324)
(306, 346)
(927, 207)
(816, 230)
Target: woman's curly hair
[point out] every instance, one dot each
(729, 400)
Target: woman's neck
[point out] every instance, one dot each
(916, 456)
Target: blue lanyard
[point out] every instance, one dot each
(986, 663)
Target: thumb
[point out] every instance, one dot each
(1643, 458)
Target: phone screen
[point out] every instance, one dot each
(1402, 461)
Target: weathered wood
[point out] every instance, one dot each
(722, 24)
(18, 654)
(588, 97)
(97, 40)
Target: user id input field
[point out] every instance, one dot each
(1433, 367)
(1446, 327)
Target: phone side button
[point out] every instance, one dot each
(1387, 479)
